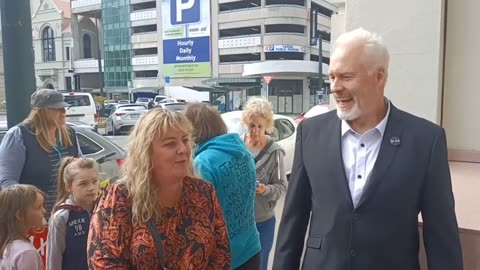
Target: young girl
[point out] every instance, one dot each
(77, 191)
(21, 210)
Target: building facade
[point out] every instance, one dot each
(54, 45)
(220, 43)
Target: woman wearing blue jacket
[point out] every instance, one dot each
(223, 160)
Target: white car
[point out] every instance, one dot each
(315, 110)
(123, 117)
(82, 107)
(284, 133)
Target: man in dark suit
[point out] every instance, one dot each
(363, 173)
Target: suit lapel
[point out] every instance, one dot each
(386, 154)
(334, 145)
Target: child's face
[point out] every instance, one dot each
(34, 216)
(84, 187)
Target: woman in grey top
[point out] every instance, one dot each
(271, 176)
(30, 151)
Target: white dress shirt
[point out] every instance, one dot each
(359, 152)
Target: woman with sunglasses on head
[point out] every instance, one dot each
(31, 151)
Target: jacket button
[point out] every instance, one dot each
(356, 216)
(353, 253)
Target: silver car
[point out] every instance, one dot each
(109, 155)
(123, 117)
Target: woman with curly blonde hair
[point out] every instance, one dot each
(270, 169)
(159, 216)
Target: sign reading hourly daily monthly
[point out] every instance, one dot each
(187, 50)
(186, 38)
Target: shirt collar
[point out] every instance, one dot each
(380, 126)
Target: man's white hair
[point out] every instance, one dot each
(377, 55)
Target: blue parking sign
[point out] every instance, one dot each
(184, 11)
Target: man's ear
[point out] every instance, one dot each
(381, 74)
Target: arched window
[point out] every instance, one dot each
(87, 46)
(48, 45)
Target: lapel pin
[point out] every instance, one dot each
(395, 141)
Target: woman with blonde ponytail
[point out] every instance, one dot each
(30, 152)
(77, 190)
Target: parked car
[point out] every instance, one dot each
(142, 101)
(176, 106)
(315, 110)
(158, 99)
(94, 146)
(82, 107)
(122, 117)
(284, 133)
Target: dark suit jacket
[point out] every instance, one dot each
(381, 233)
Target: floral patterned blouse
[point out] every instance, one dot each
(194, 235)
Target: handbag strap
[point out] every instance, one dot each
(263, 151)
(152, 228)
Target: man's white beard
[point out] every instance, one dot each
(349, 115)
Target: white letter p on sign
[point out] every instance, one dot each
(183, 6)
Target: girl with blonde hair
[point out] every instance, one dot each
(77, 191)
(159, 216)
(30, 151)
(21, 211)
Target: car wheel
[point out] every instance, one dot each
(115, 131)
(108, 130)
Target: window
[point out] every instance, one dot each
(67, 53)
(246, 57)
(76, 101)
(285, 28)
(48, 45)
(285, 128)
(2, 134)
(87, 46)
(87, 146)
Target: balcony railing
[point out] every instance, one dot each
(86, 65)
(84, 3)
(145, 60)
(143, 15)
(239, 42)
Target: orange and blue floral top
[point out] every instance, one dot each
(194, 235)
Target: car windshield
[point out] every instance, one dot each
(142, 100)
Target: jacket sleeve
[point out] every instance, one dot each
(296, 213)
(220, 258)
(440, 228)
(277, 183)
(57, 231)
(110, 233)
(12, 158)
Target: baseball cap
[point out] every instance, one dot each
(48, 98)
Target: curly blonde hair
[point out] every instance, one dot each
(259, 107)
(137, 169)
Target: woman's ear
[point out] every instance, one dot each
(68, 188)
(20, 215)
